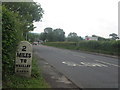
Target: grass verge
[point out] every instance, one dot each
(36, 80)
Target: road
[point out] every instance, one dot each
(85, 70)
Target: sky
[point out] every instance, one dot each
(84, 17)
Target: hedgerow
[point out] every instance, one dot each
(107, 47)
(11, 36)
(17, 21)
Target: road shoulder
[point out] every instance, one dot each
(54, 77)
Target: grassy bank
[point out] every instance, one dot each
(105, 47)
(36, 80)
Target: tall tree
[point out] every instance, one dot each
(80, 38)
(28, 12)
(59, 35)
(48, 30)
(33, 37)
(48, 33)
(53, 35)
(73, 37)
(43, 36)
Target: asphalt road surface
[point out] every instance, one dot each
(85, 70)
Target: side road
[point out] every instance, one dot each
(52, 76)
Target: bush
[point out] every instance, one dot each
(11, 35)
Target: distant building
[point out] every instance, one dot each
(91, 38)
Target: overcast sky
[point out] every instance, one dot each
(85, 17)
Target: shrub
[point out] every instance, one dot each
(11, 35)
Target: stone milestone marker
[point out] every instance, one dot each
(23, 59)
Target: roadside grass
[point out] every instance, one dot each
(35, 81)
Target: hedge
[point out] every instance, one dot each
(11, 35)
(108, 47)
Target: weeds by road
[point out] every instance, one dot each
(36, 80)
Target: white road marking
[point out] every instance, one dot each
(86, 64)
(93, 64)
(70, 63)
(107, 63)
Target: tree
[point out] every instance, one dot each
(48, 34)
(43, 36)
(59, 35)
(80, 38)
(28, 12)
(33, 37)
(11, 36)
(114, 36)
(53, 35)
(48, 30)
(73, 37)
(17, 20)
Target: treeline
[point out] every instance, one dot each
(53, 35)
(17, 20)
(49, 34)
(108, 47)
